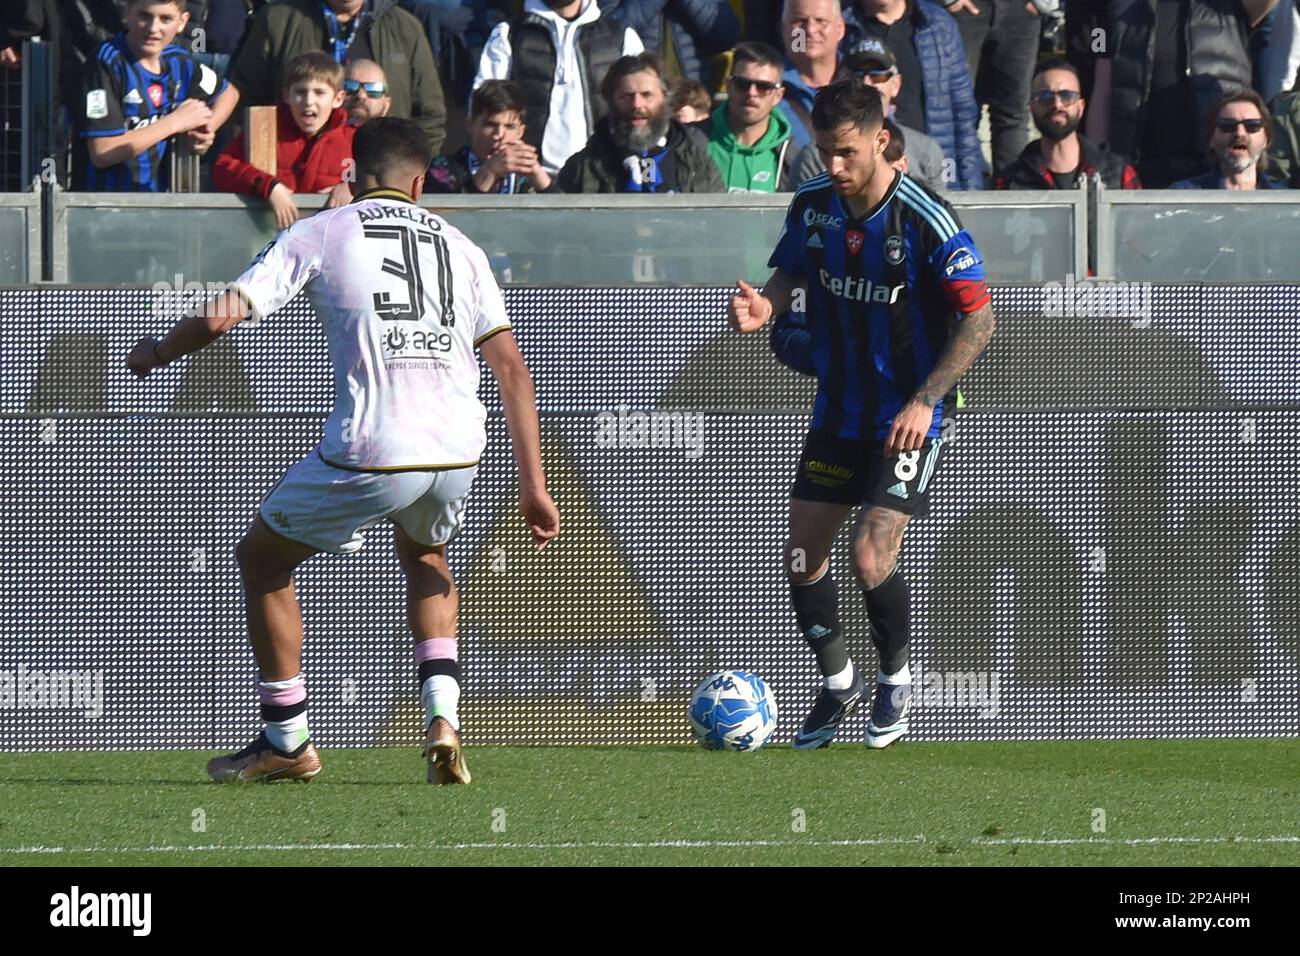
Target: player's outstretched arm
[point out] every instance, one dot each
(968, 339)
(749, 309)
(217, 317)
(519, 399)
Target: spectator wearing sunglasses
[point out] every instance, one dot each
(871, 62)
(365, 92)
(1239, 131)
(938, 93)
(749, 138)
(1061, 158)
(346, 30)
(313, 141)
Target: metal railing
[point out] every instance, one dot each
(1200, 235)
(20, 238)
(584, 240)
(1150, 236)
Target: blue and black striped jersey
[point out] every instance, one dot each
(121, 95)
(881, 291)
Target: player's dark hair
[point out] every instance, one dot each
(897, 144)
(754, 52)
(627, 66)
(848, 103)
(390, 145)
(1057, 63)
(497, 96)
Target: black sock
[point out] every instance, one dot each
(816, 608)
(889, 607)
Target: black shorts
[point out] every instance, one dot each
(850, 471)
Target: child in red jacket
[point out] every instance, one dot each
(313, 140)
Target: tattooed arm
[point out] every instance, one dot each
(967, 340)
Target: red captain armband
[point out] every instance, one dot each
(967, 295)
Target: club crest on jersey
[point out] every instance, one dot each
(854, 239)
(155, 92)
(895, 252)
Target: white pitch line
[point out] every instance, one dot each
(653, 845)
(1137, 841)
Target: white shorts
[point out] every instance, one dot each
(328, 508)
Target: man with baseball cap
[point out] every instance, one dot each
(871, 62)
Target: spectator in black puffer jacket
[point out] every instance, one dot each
(639, 147)
(1165, 65)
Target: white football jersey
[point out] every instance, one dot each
(404, 298)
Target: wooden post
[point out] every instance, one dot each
(260, 138)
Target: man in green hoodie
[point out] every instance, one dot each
(749, 138)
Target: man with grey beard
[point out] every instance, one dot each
(1240, 130)
(638, 147)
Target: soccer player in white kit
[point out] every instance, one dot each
(405, 298)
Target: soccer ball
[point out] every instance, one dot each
(733, 710)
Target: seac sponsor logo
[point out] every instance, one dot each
(859, 290)
(811, 217)
(961, 258)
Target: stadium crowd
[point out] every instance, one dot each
(654, 96)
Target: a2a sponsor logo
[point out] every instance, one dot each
(811, 217)
(859, 290)
(417, 343)
(960, 259)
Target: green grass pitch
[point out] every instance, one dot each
(1190, 802)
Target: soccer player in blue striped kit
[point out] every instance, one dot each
(896, 311)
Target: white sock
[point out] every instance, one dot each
(841, 681)
(902, 677)
(440, 696)
(288, 735)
